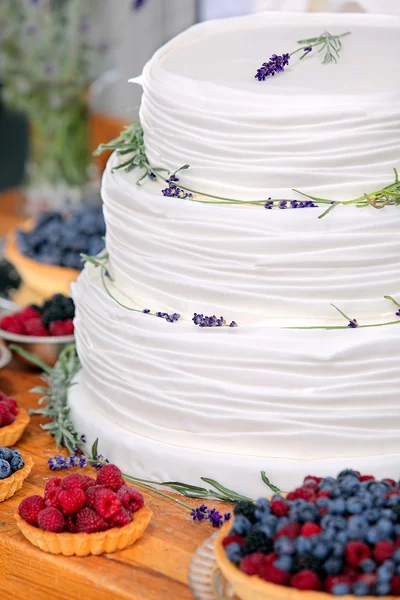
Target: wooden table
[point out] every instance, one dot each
(155, 568)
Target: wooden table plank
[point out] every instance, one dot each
(154, 568)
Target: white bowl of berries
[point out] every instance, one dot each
(41, 330)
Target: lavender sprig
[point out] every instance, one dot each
(202, 513)
(204, 321)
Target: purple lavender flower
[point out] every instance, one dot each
(398, 313)
(137, 4)
(169, 318)
(202, 513)
(152, 175)
(233, 324)
(199, 513)
(83, 439)
(173, 191)
(276, 64)
(204, 321)
(146, 311)
(353, 324)
(58, 463)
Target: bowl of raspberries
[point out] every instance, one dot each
(43, 330)
(14, 469)
(335, 536)
(79, 515)
(13, 420)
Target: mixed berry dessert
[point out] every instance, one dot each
(13, 420)
(13, 471)
(53, 318)
(81, 515)
(338, 535)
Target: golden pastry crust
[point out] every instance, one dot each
(10, 434)
(14, 482)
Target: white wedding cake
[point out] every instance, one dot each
(292, 389)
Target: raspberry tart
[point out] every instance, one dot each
(333, 536)
(13, 421)
(79, 515)
(14, 469)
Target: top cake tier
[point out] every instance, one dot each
(332, 130)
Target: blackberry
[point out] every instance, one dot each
(36, 307)
(258, 541)
(305, 561)
(247, 509)
(53, 313)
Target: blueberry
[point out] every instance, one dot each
(347, 472)
(350, 484)
(17, 462)
(387, 513)
(283, 521)
(337, 549)
(321, 551)
(333, 566)
(385, 528)
(233, 552)
(342, 537)
(396, 556)
(372, 515)
(268, 530)
(323, 502)
(341, 589)
(328, 535)
(382, 588)
(368, 565)
(385, 571)
(397, 530)
(338, 506)
(303, 545)
(357, 527)
(309, 513)
(372, 536)
(284, 563)
(284, 545)
(354, 506)
(6, 454)
(5, 469)
(263, 504)
(241, 525)
(361, 588)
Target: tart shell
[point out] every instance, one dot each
(253, 588)
(83, 544)
(10, 434)
(14, 482)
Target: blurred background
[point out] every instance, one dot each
(64, 66)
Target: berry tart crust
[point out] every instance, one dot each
(254, 588)
(10, 434)
(83, 544)
(14, 482)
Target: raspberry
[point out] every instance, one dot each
(383, 551)
(6, 418)
(356, 552)
(90, 492)
(121, 518)
(30, 508)
(306, 580)
(70, 523)
(51, 519)
(253, 564)
(309, 529)
(333, 580)
(72, 500)
(395, 585)
(29, 313)
(87, 482)
(130, 498)
(13, 324)
(270, 558)
(291, 530)
(35, 327)
(350, 573)
(106, 502)
(390, 482)
(73, 481)
(279, 508)
(12, 404)
(311, 481)
(51, 497)
(324, 494)
(367, 478)
(274, 575)
(304, 493)
(110, 476)
(62, 327)
(230, 539)
(53, 482)
(89, 521)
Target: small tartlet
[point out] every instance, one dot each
(83, 544)
(10, 485)
(10, 434)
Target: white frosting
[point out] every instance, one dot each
(254, 390)
(332, 130)
(251, 264)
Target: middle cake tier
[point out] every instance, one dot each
(250, 264)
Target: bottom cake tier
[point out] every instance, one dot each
(171, 401)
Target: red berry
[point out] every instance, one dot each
(271, 558)
(12, 404)
(90, 492)
(62, 327)
(350, 572)
(73, 481)
(392, 493)
(13, 324)
(311, 481)
(229, 539)
(306, 580)
(70, 523)
(274, 575)
(397, 543)
(367, 478)
(332, 580)
(368, 578)
(106, 502)
(291, 530)
(356, 552)
(72, 500)
(6, 418)
(87, 482)
(309, 529)
(53, 482)
(89, 521)
(130, 498)
(396, 585)
(29, 313)
(35, 327)
(324, 494)
(279, 508)
(51, 497)
(51, 519)
(390, 482)
(253, 564)
(304, 493)
(121, 518)
(30, 508)
(383, 551)
(110, 476)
